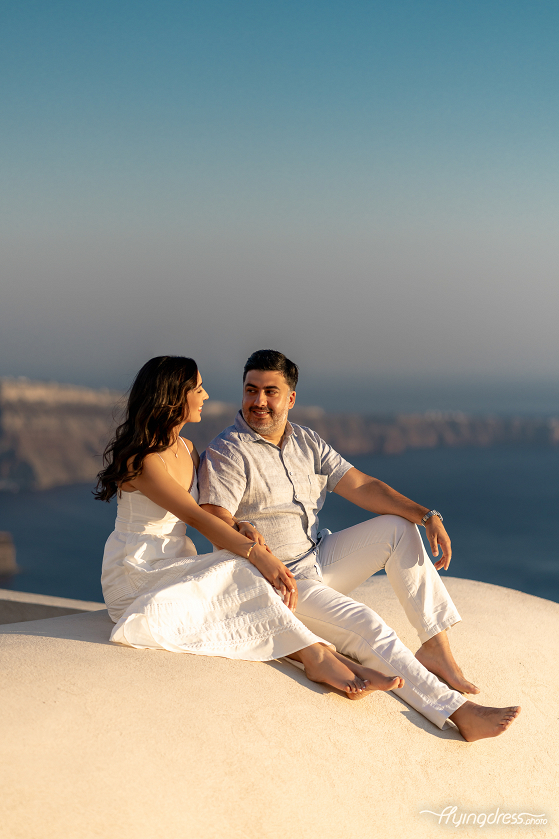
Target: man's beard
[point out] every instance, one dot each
(270, 424)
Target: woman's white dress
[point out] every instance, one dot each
(163, 596)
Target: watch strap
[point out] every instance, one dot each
(428, 515)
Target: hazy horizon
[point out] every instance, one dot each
(362, 394)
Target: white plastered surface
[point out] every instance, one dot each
(105, 741)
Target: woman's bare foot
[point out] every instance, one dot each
(476, 722)
(321, 665)
(436, 656)
(372, 679)
(381, 682)
(334, 669)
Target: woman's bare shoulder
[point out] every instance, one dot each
(151, 458)
(152, 464)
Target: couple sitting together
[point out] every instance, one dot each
(276, 586)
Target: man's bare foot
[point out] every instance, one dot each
(476, 722)
(436, 656)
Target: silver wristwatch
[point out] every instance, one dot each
(429, 514)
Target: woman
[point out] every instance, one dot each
(237, 602)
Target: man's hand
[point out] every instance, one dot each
(248, 530)
(276, 573)
(377, 497)
(439, 539)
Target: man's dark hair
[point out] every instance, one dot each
(275, 361)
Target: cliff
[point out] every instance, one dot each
(370, 434)
(53, 434)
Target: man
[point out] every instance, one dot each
(269, 478)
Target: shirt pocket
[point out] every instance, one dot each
(317, 489)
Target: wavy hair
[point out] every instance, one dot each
(157, 403)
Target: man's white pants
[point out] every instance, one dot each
(346, 559)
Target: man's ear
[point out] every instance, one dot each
(292, 399)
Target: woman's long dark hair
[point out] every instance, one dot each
(156, 404)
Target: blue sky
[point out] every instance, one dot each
(370, 187)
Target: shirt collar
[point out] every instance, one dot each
(248, 433)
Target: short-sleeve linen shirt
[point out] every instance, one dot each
(281, 490)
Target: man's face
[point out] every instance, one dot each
(267, 399)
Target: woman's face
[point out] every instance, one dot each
(195, 399)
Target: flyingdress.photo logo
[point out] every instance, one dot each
(452, 816)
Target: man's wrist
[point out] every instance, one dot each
(430, 515)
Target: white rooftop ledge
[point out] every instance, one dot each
(105, 741)
(18, 606)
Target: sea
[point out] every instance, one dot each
(500, 507)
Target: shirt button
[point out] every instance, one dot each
(291, 473)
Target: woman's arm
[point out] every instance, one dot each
(155, 482)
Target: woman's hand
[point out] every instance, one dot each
(276, 573)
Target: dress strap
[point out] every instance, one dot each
(187, 449)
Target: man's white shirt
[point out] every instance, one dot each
(281, 490)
